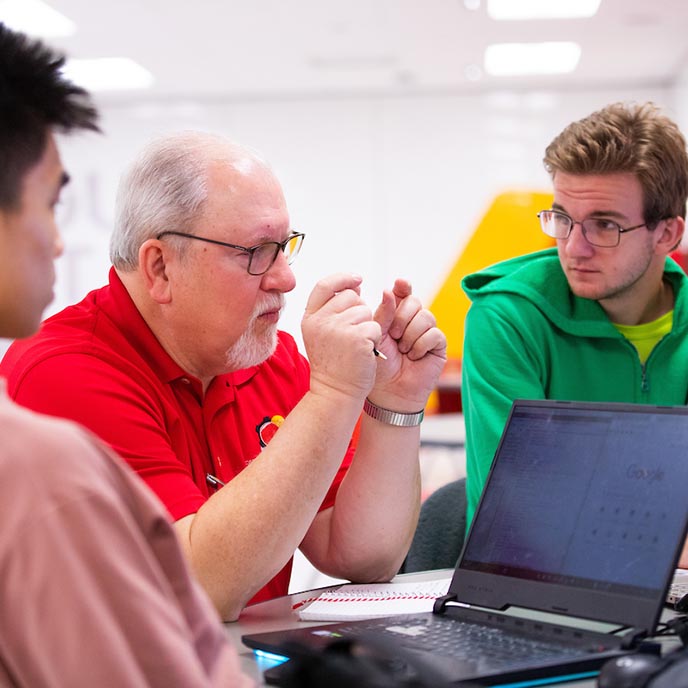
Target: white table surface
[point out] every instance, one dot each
(278, 614)
(443, 430)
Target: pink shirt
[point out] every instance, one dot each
(94, 589)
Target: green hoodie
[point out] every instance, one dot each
(529, 337)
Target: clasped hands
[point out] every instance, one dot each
(340, 332)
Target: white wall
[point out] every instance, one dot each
(381, 186)
(680, 96)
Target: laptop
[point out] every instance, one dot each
(569, 557)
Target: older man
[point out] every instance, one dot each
(178, 364)
(94, 588)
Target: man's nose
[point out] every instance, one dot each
(58, 245)
(576, 244)
(279, 276)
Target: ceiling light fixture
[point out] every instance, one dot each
(541, 9)
(524, 59)
(108, 74)
(35, 18)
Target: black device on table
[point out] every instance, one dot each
(583, 516)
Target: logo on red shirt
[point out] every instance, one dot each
(267, 429)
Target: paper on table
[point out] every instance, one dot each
(354, 601)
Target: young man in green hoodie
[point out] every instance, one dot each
(604, 315)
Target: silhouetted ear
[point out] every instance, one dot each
(671, 234)
(153, 270)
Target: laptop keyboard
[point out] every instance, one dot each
(468, 641)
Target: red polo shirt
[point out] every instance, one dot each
(97, 362)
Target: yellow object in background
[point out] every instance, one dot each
(508, 229)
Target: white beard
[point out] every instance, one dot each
(253, 348)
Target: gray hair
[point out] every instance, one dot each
(166, 188)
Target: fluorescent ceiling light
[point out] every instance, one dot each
(108, 74)
(35, 18)
(521, 59)
(541, 9)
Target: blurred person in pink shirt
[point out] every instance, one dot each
(94, 588)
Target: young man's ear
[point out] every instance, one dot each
(671, 234)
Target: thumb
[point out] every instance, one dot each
(384, 314)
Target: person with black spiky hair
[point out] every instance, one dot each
(94, 588)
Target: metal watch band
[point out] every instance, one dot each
(402, 420)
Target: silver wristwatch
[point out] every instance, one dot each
(402, 420)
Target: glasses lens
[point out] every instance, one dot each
(292, 247)
(601, 232)
(262, 258)
(554, 224)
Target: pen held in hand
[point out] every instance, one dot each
(380, 354)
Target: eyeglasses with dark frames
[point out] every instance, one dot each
(598, 231)
(261, 256)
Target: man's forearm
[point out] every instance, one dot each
(376, 510)
(246, 532)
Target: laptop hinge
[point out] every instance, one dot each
(440, 604)
(633, 638)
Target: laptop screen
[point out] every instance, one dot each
(588, 497)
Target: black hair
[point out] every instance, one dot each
(35, 98)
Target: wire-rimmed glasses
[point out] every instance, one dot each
(599, 231)
(261, 256)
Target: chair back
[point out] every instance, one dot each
(441, 529)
